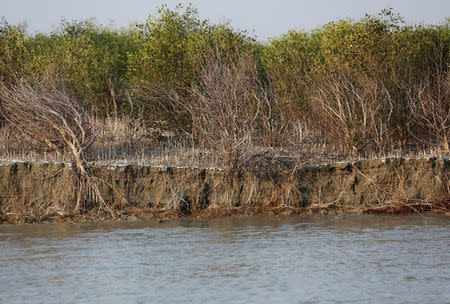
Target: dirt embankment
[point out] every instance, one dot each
(40, 192)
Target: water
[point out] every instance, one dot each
(356, 259)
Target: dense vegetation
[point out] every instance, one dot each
(367, 86)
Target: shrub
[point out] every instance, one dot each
(233, 110)
(92, 59)
(13, 51)
(375, 84)
(172, 45)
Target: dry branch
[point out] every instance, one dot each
(50, 118)
(233, 109)
(355, 112)
(429, 105)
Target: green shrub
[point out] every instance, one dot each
(92, 60)
(290, 62)
(172, 48)
(13, 51)
(378, 67)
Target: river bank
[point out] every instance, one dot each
(47, 191)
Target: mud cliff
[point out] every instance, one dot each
(47, 191)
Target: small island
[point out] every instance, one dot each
(178, 117)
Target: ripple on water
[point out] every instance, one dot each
(358, 259)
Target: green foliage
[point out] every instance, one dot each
(149, 69)
(378, 50)
(172, 48)
(13, 51)
(164, 45)
(290, 61)
(357, 46)
(93, 61)
(173, 43)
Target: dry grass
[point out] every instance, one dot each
(139, 149)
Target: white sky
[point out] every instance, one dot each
(263, 18)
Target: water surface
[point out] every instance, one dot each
(353, 259)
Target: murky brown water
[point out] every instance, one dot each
(357, 259)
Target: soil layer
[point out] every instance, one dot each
(45, 192)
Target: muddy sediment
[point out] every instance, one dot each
(40, 192)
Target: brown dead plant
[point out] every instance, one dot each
(429, 105)
(356, 111)
(394, 199)
(428, 99)
(51, 119)
(233, 108)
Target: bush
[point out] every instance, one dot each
(169, 59)
(92, 60)
(13, 51)
(290, 62)
(370, 85)
(233, 108)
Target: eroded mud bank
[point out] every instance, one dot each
(39, 192)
